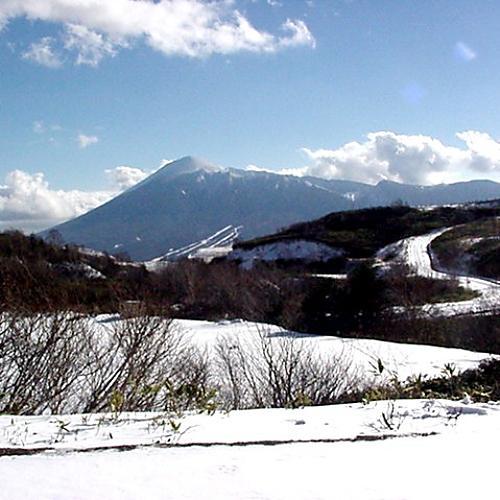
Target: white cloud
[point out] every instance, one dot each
(464, 52)
(299, 35)
(195, 28)
(91, 47)
(27, 201)
(124, 177)
(42, 53)
(297, 172)
(84, 141)
(255, 168)
(483, 152)
(414, 159)
(40, 127)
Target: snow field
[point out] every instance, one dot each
(456, 462)
(401, 360)
(305, 250)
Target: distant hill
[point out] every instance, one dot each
(360, 233)
(190, 199)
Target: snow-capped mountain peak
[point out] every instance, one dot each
(186, 165)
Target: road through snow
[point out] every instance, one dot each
(415, 252)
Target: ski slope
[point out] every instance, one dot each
(218, 244)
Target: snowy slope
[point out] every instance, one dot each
(216, 245)
(401, 360)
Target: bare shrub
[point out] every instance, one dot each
(143, 363)
(62, 363)
(279, 370)
(41, 360)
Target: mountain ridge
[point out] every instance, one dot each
(189, 199)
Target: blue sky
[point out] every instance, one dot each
(361, 89)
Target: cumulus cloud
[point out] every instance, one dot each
(464, 52)
(414, 159)
(84, 141)
(124, 177)
(195, 28)
(27, 201)
(42, 53)
(483, 152)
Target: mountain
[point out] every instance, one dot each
(386, 192)
(190, 199)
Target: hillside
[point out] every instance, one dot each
(44, 276)
(472, 249)
(360, 233)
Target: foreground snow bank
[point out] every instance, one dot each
(325, 452)
(351, 422)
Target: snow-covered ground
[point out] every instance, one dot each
(415, 252)
(435, 450)
(24, 434)
(308, 251)
(409, 449)
(401, 360)
(338, 276)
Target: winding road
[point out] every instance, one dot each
(415, 252)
